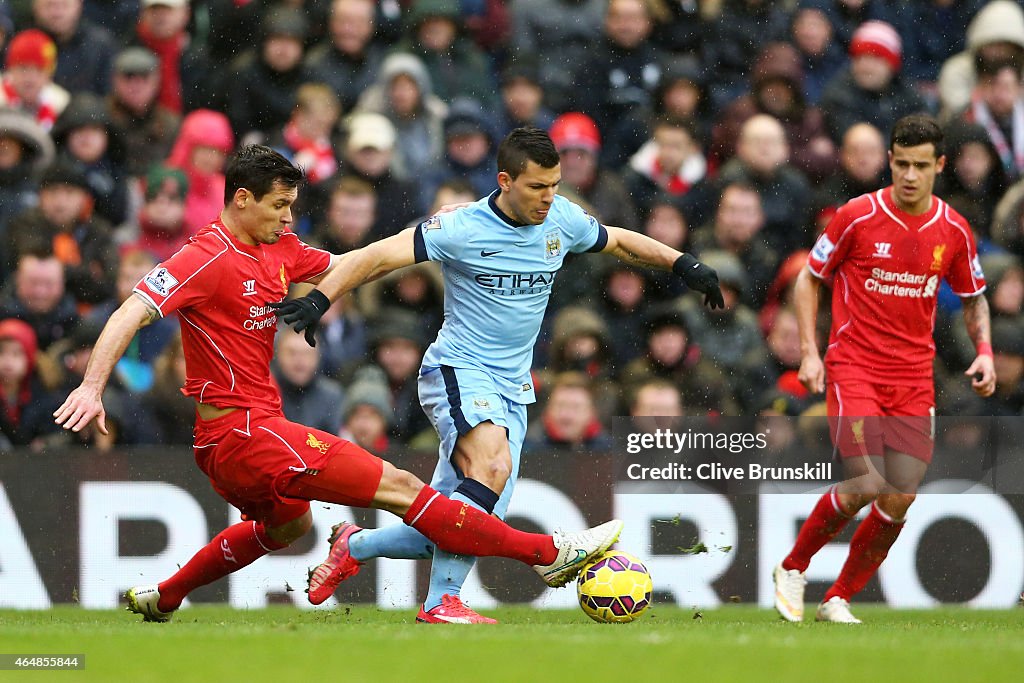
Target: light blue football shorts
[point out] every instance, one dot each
(458, 399)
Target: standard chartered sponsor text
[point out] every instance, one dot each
(892, 283)
(268, 320)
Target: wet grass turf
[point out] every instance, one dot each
(361, 643)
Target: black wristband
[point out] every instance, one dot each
(684, 264)
(318, 299)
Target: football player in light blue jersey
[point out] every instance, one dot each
(499, 257)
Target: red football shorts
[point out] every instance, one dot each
(865, 418)
(269, 468)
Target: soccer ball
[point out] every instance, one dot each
(615, 588)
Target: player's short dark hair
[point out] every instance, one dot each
(917, 129)
(523, 145)
(258, 168)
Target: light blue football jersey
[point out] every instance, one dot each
(497, 280)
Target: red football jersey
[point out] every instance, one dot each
(220, 288)
(885, 266)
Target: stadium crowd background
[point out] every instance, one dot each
(729, 128)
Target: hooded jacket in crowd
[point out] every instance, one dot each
(420, 137)
(205, 197)
(105, 175)
(462, 70)
(27, 412)
(261, 98)
(1000, 21)
(19, 183)
(465, 116)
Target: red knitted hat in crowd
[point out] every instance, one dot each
(879, 39)
(32, 48)
(575, 130)
(21, 332)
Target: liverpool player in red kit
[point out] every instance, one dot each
(884, 255)
(220, 284)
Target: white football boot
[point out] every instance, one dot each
(143, 600)
(575, 550)
(837, 611)
(789, 593)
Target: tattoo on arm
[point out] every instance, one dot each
(976, 318)
(152, 314)
(630, 257)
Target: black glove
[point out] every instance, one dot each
(303, 313)
(701, 278)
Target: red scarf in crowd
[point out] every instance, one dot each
(315, 156)
(676, 182)
(45, 114)
(673, 183)
(169, 51)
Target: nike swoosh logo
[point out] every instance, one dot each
(485, 253)
(580, 556)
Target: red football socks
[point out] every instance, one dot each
(870, 545)
(461, 529)
(826, 521)
(235, 547)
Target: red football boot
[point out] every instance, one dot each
(452, 611)
(338, 566)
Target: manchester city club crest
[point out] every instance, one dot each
(552, 245)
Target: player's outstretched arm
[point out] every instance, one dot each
(355, 268)
(369, 263)
(982, 371)
(805, 300)
(633, 247)
(84, 404)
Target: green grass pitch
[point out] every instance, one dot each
(360, 643)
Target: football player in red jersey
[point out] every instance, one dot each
(223, 284)
(884, 255)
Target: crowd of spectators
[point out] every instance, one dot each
(732, 129)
